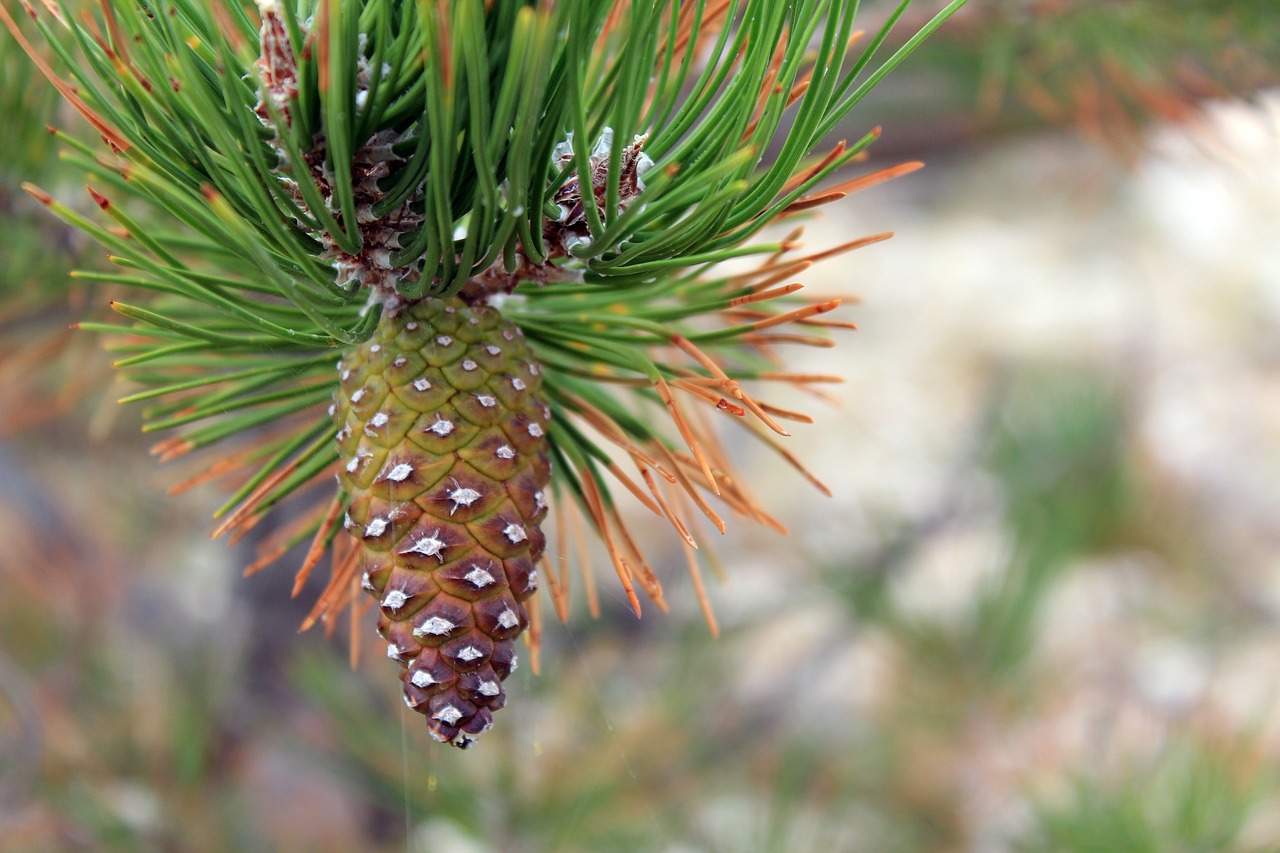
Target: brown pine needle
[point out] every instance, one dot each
(358, 607)
(797, 315)
(228, 27)
(608, 428)
(701, 393)
(802, 204)
(664, 391)
(648, 580)
(566, 567)
(708, 363)
(225, 465)
(752, 315)
(799, 340)
(595, 506)
(717, 567)
(283, 539)
(792, 460)
(695, 575)
(801, 178)
(684, 35)
(731, 495)
(250, 504)
(730, 385)
(559, 598)
(787, 414)
(533, 637)
(791, 241)
(266, 558)
(689, 489)
(798, 90)
(614, 20)
(335, 594)
(318, 545)
(68, 91)
(828, 324)
(847, 247)
(631, 486)
(323, 17)
(783, 272)
(171, 448)
(667, 511)
(802, 378)
(876, 178)
(576, 522)
(757, 410)
(766, 295)
(767, 89)
(737, 495)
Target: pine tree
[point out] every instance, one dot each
(504, 222)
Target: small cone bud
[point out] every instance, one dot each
(442, 436)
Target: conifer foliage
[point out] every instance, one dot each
(503, 221)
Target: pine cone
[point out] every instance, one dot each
(442, 439)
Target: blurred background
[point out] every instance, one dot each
(1041, 613)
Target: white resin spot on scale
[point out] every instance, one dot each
(393, 651)
(508, 619)
(358, 396)
(517, 383)
(515, 533)
(535, 430)
(448, 715)
(400, 362)
(346, 374)
(441, 427)
(444, 341)
(487, 401)
(376, 528)
(505, 452)
(381, 419)
(422, 679)
(492, 350)
(411, 326)
(506, 333)
(489, 688)
(427, 546)
(394, 600)
(421, 384)
(515, 662)
(533, 579)
(463, 496)
(539, 500)
(436, 626)
(469, 365)
(376, 348)
(400, 473)
(366, 583)
(479, 577)
(470, 653)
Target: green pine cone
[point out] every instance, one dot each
(444, 455)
